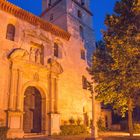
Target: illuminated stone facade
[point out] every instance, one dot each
(41, 74)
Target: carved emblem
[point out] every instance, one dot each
(36, 77)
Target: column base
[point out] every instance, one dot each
(15, 133)
(45, 132)
(15, 119)
(91, 138)
(54, 119)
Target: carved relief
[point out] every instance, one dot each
(36, 77)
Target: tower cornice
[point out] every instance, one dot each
(83, 7)
(58, 1)
(47, 9)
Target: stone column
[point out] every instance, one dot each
(54, 117)
(56, 108)
(19, 91)
(13, 87)
(14, 117)
(53, 94)
(51, 91)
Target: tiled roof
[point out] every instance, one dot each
(32, 19)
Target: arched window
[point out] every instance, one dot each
(10, 34)
(83, 55)
(82, 2)
(81, 32)
(50, 3)
(56, 50)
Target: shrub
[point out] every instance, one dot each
(65, 122)
(73, 129)
(3, 133)
(78, 121)
(71, 120)
(137, 127)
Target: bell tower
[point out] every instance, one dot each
(73, 16)
(47, 4)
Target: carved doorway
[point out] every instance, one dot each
(32, 111)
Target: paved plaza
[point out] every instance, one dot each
(82, 138)
(105, 136)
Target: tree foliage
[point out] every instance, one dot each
(116, 68)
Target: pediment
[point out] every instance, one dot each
(55, 66)
(19, 54)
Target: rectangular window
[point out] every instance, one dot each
(10, 34)
(81, 32)
(83, 56)
(56, 50)
(51, 17)
(79, 14)
(84, 82)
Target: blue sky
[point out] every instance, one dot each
(99, 8)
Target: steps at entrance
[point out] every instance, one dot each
(33, 135)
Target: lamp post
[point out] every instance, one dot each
(94, 129)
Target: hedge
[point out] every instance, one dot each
(73, 129)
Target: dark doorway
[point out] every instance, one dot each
(32, 111)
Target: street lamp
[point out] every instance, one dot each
(94, 129)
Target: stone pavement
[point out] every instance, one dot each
(80, 138)
(58, 138)
(83, 138)
(104, 136)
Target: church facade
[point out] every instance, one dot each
(43, 63)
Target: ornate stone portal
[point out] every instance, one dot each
(32, 111)
(33, 101)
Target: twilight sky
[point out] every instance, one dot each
(99, 8)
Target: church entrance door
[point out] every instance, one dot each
(32, 111)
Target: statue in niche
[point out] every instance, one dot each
(32, 54)
(26, 56)
(38, 56)
(36, 77)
